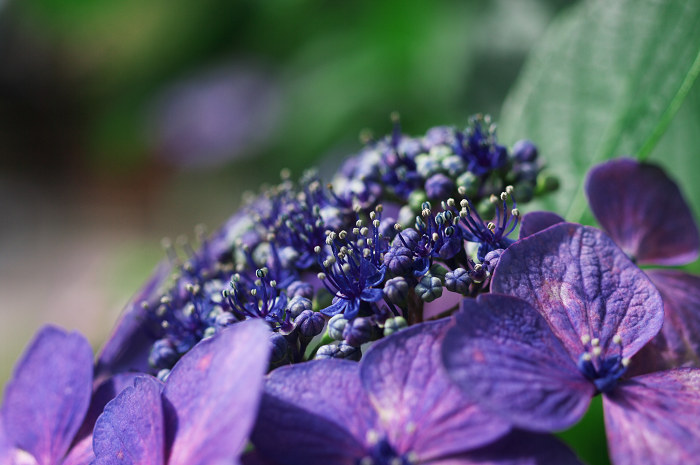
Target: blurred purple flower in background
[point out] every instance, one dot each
(578, 309)
(223, 113)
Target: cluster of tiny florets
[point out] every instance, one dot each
(332, 266)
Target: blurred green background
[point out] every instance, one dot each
(123, 121)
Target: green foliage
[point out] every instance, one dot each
(606, 81)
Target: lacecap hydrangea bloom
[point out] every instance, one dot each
(405, 312)
(331, 267)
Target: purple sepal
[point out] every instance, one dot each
(504, 356)
(129, 345)
(372, 294)
(678, 343)
(653, 419)
(253, 458)
(419, 408)
(104, 392)
(584, 286)
(518, 448)
(130, 431)
(212, 394)
(80, 453)
(643, 211)
(535, 222)
(7, 452)
(324, 396)
(48, 395)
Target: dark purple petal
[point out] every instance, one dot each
(535, 222)
(419, 407)
(679, 339)
(502, 354)
(518, 448)
(371, 294)
(81, 452)
(584, 286)
(129, 345)
(327, 398)
(643, 211)
(103, 393)
(253, 458)
(46, 400)
(131, 431)
(339, 305)
(212, 394)
(653, 419)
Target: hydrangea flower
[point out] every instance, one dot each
(50, 407)
(576, 310)
(395, 407)
(294, 233)
(201, 415)
(644, 212)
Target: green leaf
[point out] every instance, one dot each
(606, 80)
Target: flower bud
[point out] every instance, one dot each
(336, 325)
(163, 354)
(310, 323)
(458, 281)
(524, 150)
(396, 290)
(300, 289)
(359, 331)
(394, 324)
(429, 288)
(298, 304)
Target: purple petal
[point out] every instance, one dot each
(80, 453)
(339, 305)
(535, 222)
(130, 431)
(213, 394)
(681, 330)
(653, 419)
(6, 449)
(502, 354)
(419, 407)
(49, 393)
(327, 398)
(643, 211)
(372, 295)
(103, 393)
(584, 286)
(518, 448)
(10, 455)
(128, 347)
